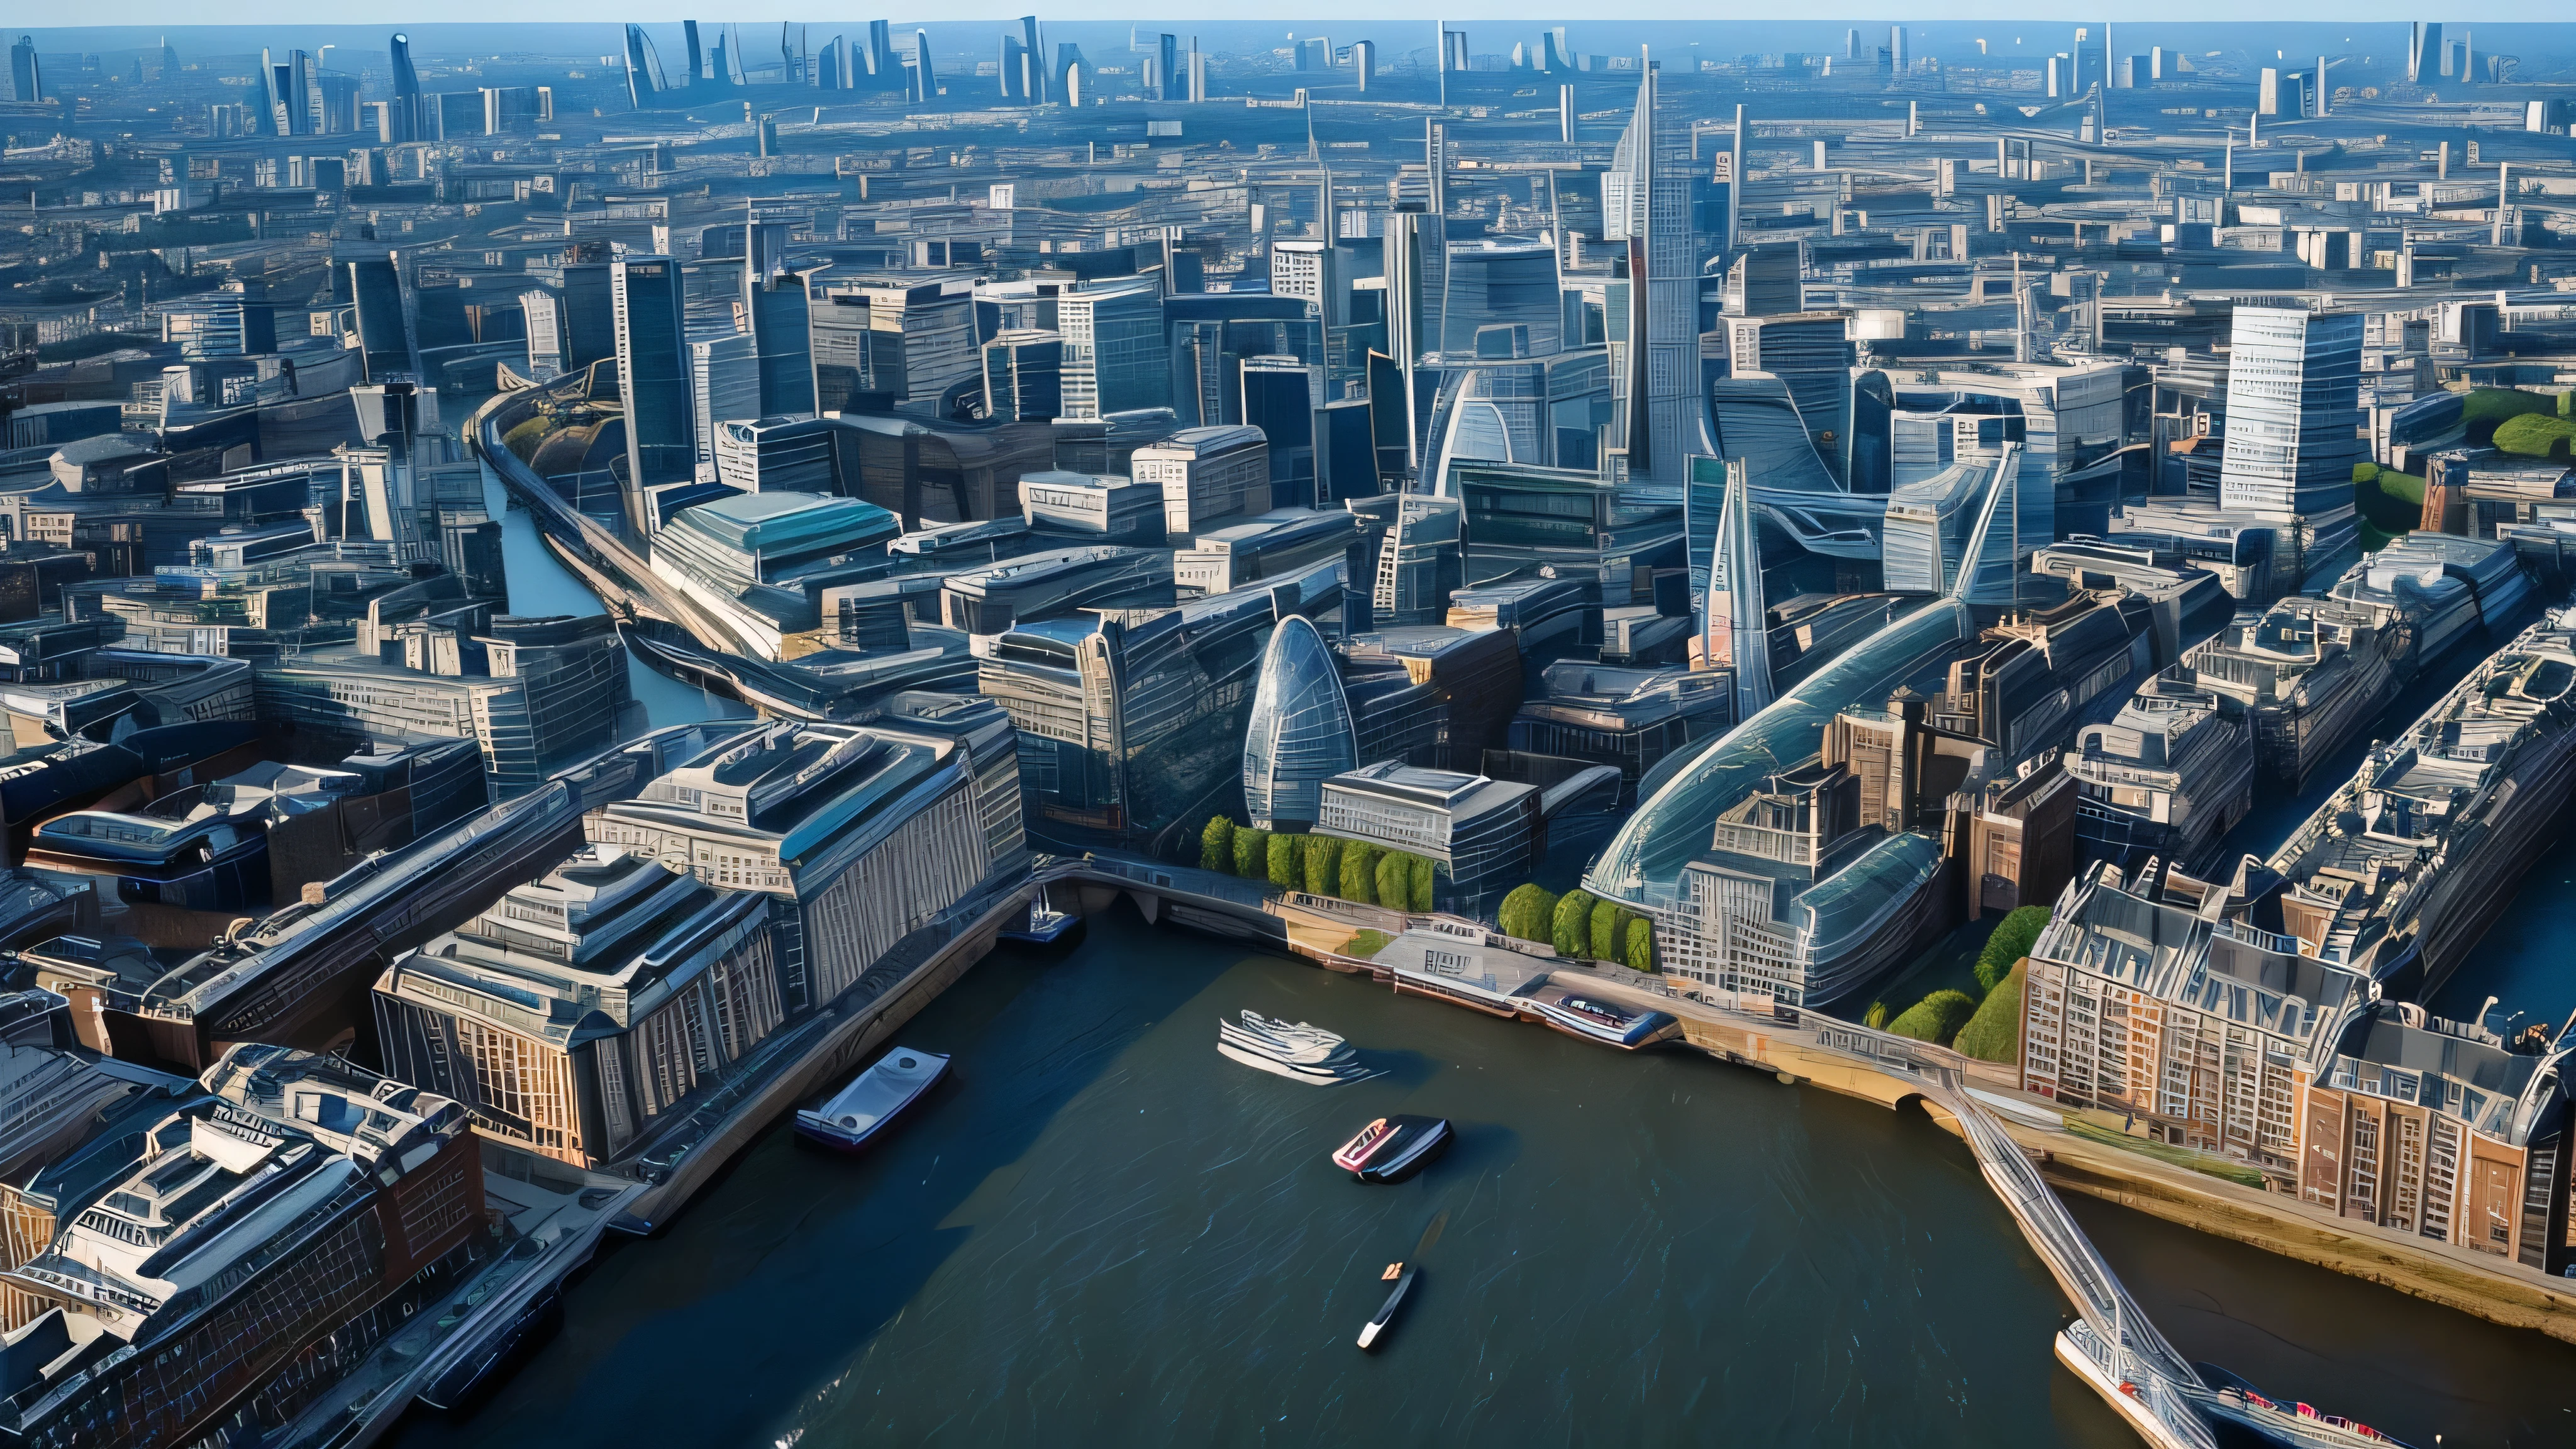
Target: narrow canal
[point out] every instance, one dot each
(1101, 1232)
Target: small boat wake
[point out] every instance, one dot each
(1296, 1050)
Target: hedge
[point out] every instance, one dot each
(1994, 1033)
(1641, 944)
(1359, 873)
(1216, 845)
(1323, 864)
(1528, 913)
(2012, 940)
(1936, 1018)
(1570, 931)
(1252, 854)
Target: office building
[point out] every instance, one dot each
(724, 384)
(548, 692)
(890, 340)
(585, 1009)
(862, 834)
(1247, 550)
(375, 1197)
(1114, 357)
(654, 374)
(1299, 733)
(1054, 584)
(1481, 835)
(748, 559)
(2165, 779)
(1646, 202)
(777, 455)
(1101, 508)
(1628, 719)
(1205, 475)
(774, 310)
(2293, 409)
(1024, 375)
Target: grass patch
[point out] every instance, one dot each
(2192, 1158)
(2389, 502)
(1366, 944)
(2533, 435)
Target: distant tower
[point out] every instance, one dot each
(925, 84)
(407, 92)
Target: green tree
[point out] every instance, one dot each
(1359, 873)
(1994, 1033)
(1641, 944)
(1283, 861)
(1527, 912)
(1323, 864)
(1252, 853)
(1608, 919)
(1876, 1018)
(2014, 935)
(1216, 845)
(1936, 1018)
(1571, 930)
(1422, 867)
(1395, 880)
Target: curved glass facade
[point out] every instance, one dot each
(1300, 731)
(1643, 862)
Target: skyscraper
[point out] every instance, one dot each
(26, 77)
(643, 67)
(2293, 405)
(384, 332)
(1645, 202)
(774, 306)
(1300, 731)
(652, 376)
(2423, 41)
(1736, 635)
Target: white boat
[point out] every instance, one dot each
(1298, 1051)
(872, 1100)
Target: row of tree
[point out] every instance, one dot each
(1579, 924)
(1986, 1026)
(1322, 865)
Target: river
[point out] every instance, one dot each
(1102, 1233)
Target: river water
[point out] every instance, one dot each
(1100, 1232)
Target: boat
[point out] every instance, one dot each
(1392, 1149)
(1047, 929)
(1299, 1051)
(858, 1112)
(1594, 1018)
(472, 1376)
(1401, 1275)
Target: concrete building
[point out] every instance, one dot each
(1481, 835)
(1207, 474)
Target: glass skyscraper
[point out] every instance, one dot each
(1300, 732)
(653, 371)
(2293, 411)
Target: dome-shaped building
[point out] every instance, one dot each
(1300, 732)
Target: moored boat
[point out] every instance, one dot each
(1402, 1276)
(1392, 1149)
(853, 1116)
(1046, 929)
(1595, 1018)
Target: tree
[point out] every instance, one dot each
(1528, 912)
(1323, 864)
(1216, 845)
(1252, 853)
(1608, 920)
(1283, 861)
(1936, 1018)
(1395, 880)
(1994, 1033)
(1571, 930)
(1422, 868)
(1641, 944)
(1876, 1019)
(2014, 935)
(1359, 873)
